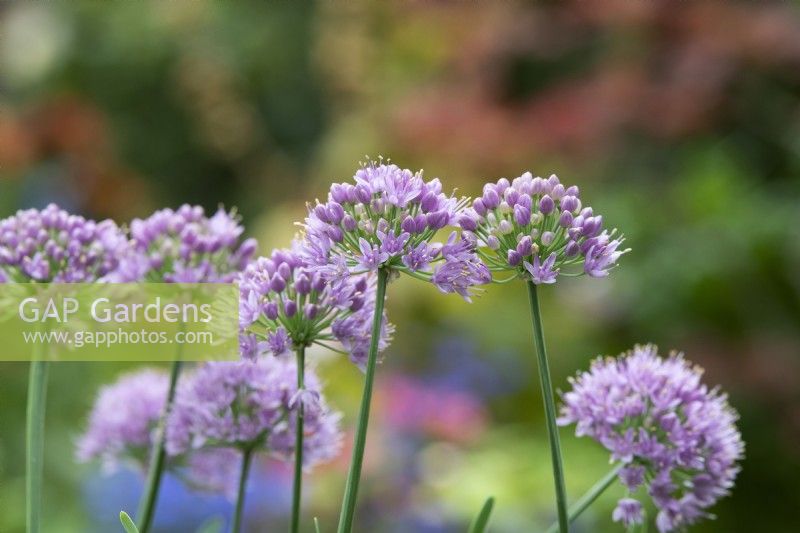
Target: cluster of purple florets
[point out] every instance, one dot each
(53, 246)
(284, 305)
(123, 426)
(676, 438)
(534, 227)
(252, 405)
(185, 246)
(387, 219)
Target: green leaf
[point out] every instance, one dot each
(127, 523)
(212, 525)
(316, 524)
(482, 520)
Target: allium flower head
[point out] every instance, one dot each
(676, 438)
(285, 304)
(50, 245)
(387, 218)
(185, 246)
(252, 404)
(536, 227)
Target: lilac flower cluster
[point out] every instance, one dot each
(251, 405)
(534, 227)
(676, 438)
(285, 304)
(185, 246)
(122, 429)
(50, 245)
(387, 219)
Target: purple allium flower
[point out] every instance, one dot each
(387, 218)
(50, 245)
(123, 426)
(536, 227)
(273, 289)
(251, 404)
(185, 246)
(675, 436)
(628, 511)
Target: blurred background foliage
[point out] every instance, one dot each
(680, 123)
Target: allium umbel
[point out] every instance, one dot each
(50, 245)
(252, 405)
(185, 246)
(676, 438)
(123, 426)
(536, 227)
(285, 305)
(387, 219)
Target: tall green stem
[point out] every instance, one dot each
(354, 474)
(247, 456)
(549, 410)
(37, 399)
(147, 505)
(589, 497)
(298, 443)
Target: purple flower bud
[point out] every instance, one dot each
(271, 310)
(547, 238)
(467, 222)
(408, 225)
(361, 284)
(321, 213)
(553, 181)
(339, 192)
(586, 212)
(310, 311)
(429, 202)
(525, 246)
(572, 249)
(490, 197)
(522, 215)
(493, 242)
(514, 258)
(511, 196)
(479, 207)
(277, 283)
(349, 223)
(505, 227)
(335, 212)
(502, 185)
(356, 303)
(546, 205)
(363, 194)
(569, 203)
(437, 220)
(573, 191)
(538, 185)
(592, 225)
(302, 285)
(290, 308)
(285, 270)
(335, 233)
(525, 201)
(565, 220)
(317, 283)
(421, 222)
(558, 191)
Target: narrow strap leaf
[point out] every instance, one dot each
(316, 525)
(127, 523)
(482, 520)
(212, 525)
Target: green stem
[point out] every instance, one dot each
(354, 474)
(298, 443)
(480, 523)
(147, 505)
(549, 410)
(247, 456)
(37, 399)
(590, 496)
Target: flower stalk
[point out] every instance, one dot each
(354, 473)
(37, 399)
(298, 447)
(147, 505)
(247, 458)
(549, 410)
